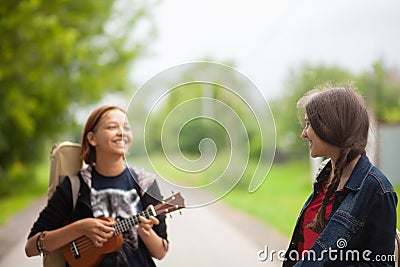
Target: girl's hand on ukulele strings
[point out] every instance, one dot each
(98, 231)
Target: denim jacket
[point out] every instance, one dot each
(361, 227)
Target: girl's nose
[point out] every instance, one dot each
(120, 129)
(304, 133)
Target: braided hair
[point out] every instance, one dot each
(339, 117)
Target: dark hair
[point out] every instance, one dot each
(339, 117)
(88, 152)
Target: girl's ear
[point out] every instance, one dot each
(91, 138)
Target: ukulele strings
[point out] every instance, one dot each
(84, 243)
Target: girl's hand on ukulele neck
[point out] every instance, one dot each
(146, 225)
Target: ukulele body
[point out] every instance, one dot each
(82, 253)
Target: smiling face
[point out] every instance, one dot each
(112, 135)
(318, 147)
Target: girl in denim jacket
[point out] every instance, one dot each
(350, 217)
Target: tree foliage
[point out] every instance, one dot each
(54, 54)
(381, 87)
(215, 98)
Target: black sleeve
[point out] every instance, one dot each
(151, 197)
(57, 210)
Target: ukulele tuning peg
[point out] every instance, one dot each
(170, 215)
(180, 212)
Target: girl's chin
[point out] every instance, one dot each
(315, 155)
(120, 153)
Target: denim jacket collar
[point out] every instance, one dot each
(358, 175)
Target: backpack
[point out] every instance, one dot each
(65, 161)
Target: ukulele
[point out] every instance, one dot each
(82, 253)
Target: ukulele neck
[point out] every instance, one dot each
(128, 223)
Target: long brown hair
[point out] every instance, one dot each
(338, 116)
(88, 152)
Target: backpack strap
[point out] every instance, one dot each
(75, 186)
(56, 258)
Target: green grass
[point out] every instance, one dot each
(279, 200)
(14, 204)
(25, 192)
(281, 197)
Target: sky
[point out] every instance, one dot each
(266, 39)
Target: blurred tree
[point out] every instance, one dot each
(211, 92)
(381, 86)
(57, 53)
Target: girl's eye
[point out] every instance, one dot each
(126, 126)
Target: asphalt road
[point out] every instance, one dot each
(214, 235)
